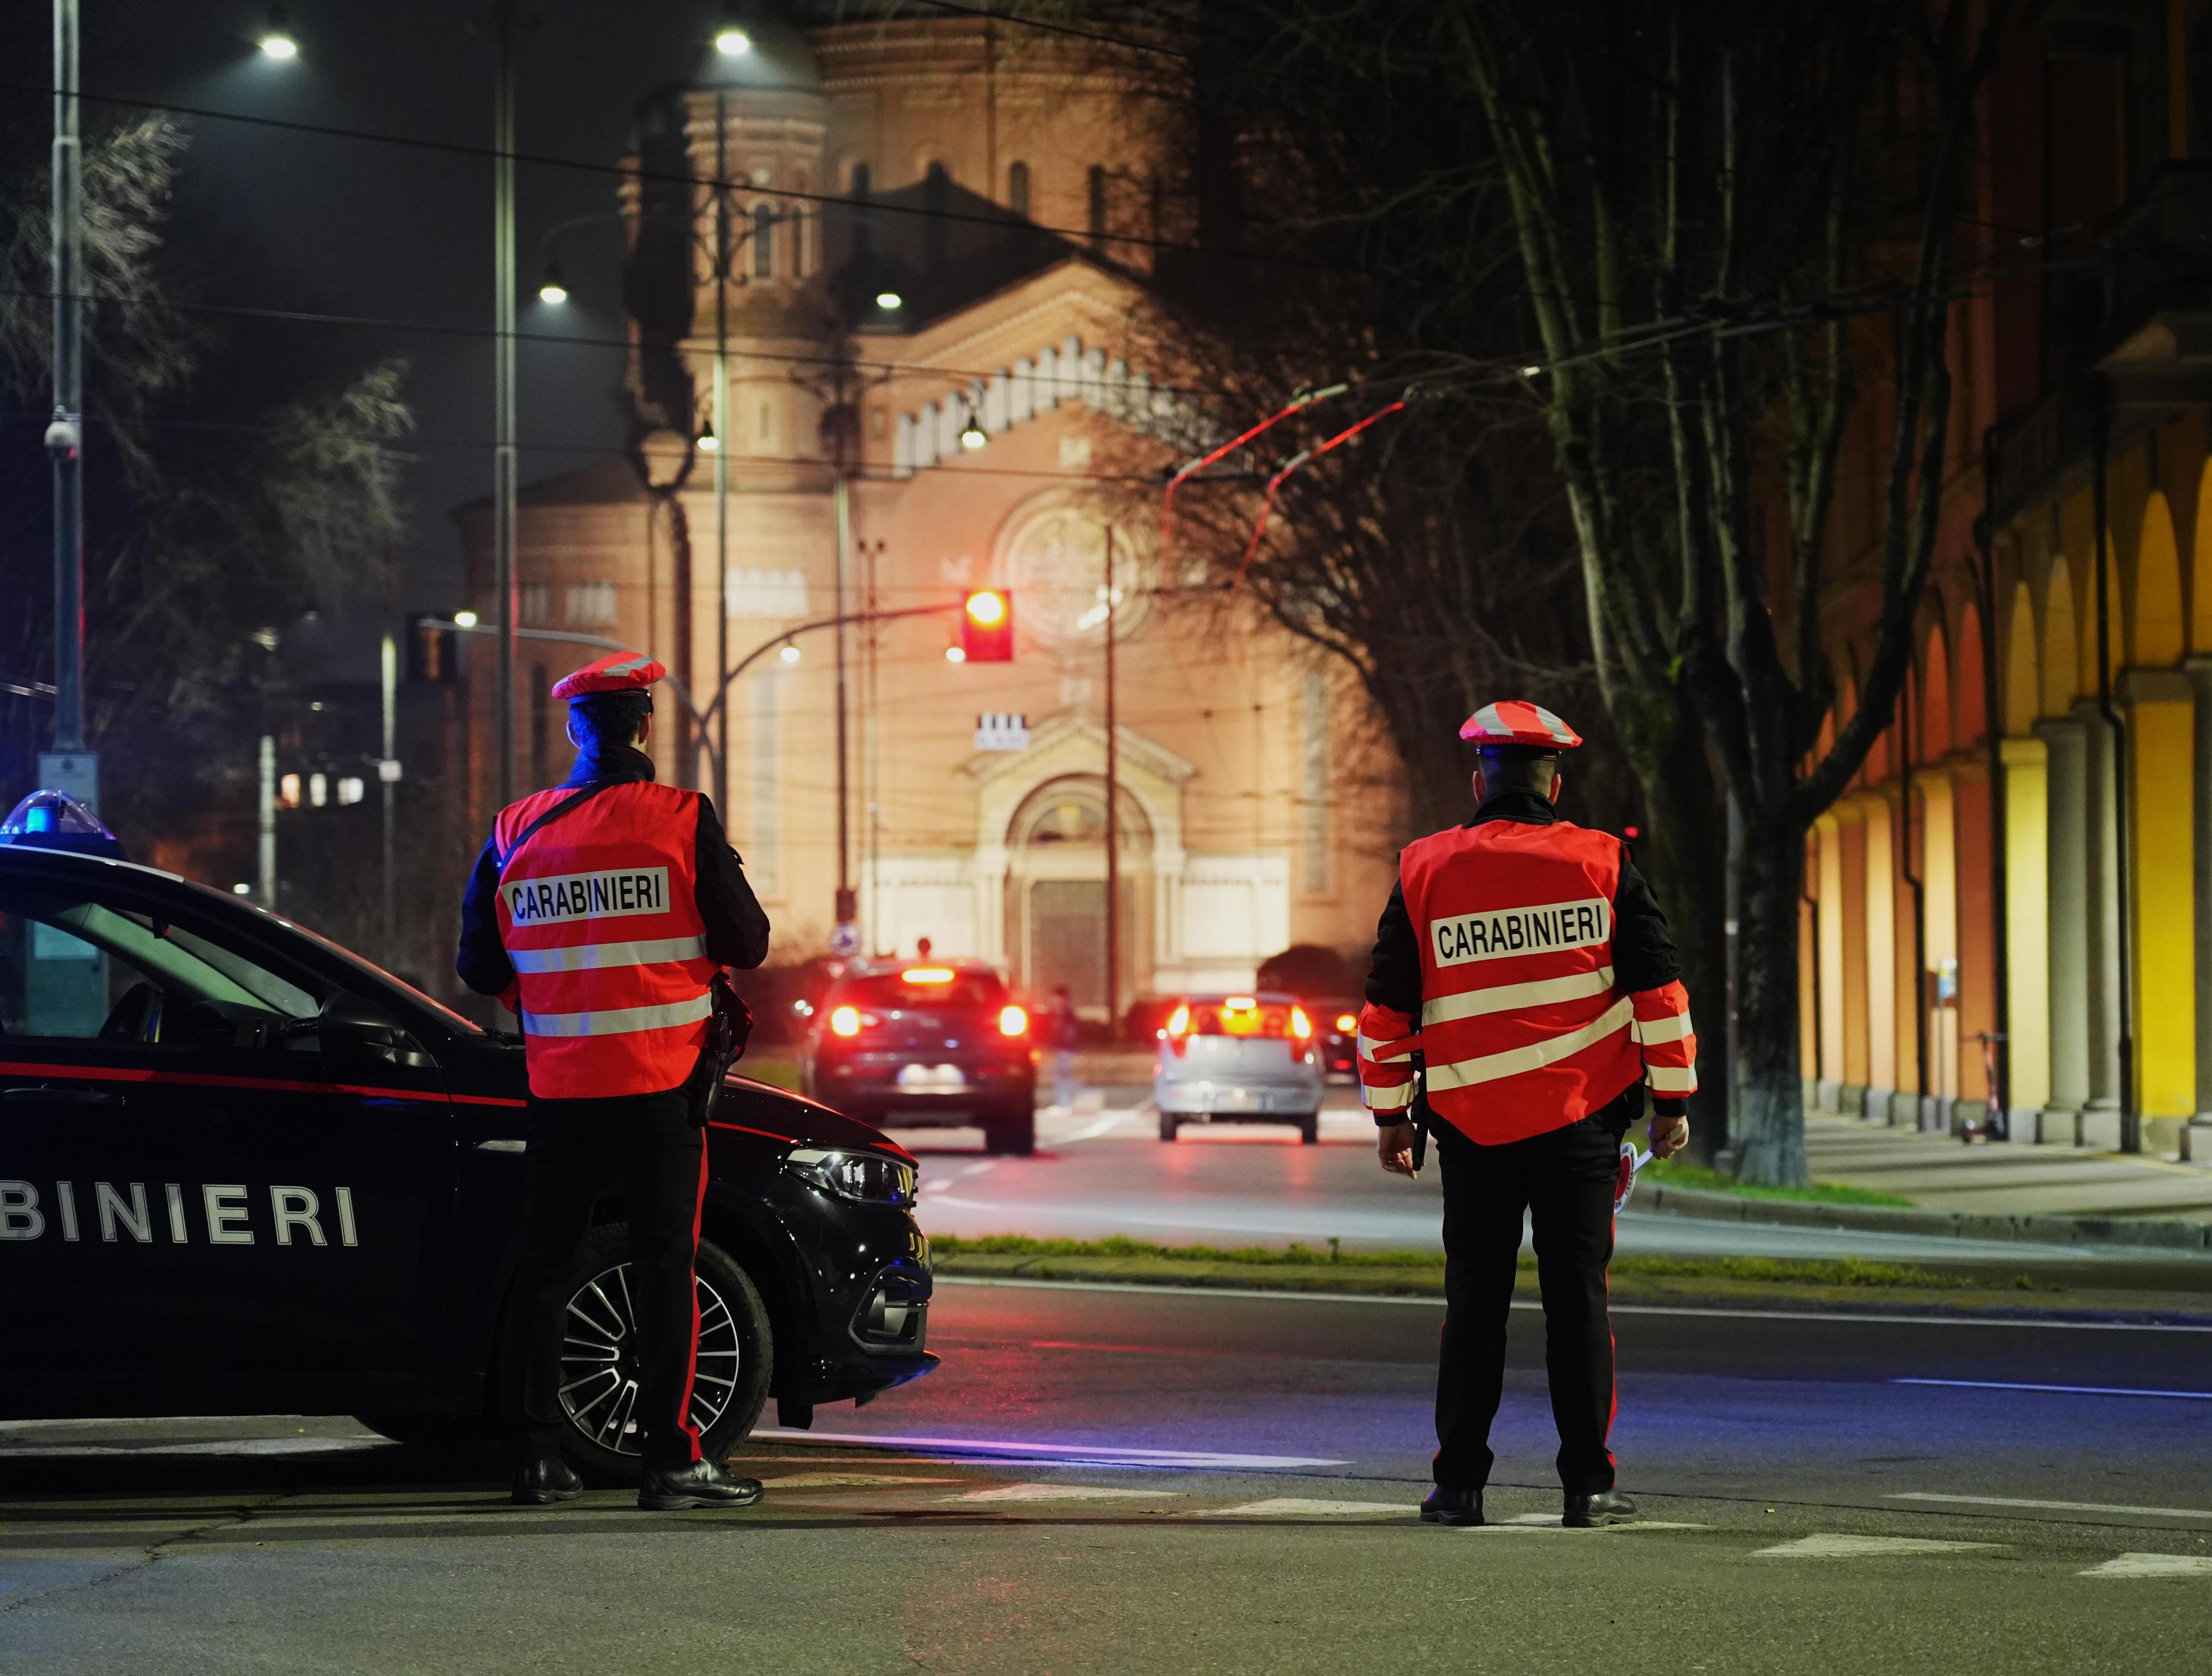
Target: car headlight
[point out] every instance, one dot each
(865, 1178)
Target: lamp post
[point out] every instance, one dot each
(65, 435)
(507, 603)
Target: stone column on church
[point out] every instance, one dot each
(2196, 1140)
(2100, 1114)
(2027, 913)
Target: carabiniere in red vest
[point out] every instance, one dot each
(1524, 999)
(600, 912)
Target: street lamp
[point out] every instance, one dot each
(709, 442)
(889, 300)
(790, 652)
(973, 435)
(465, 619)
(550, 289)
(277, 40)
(731, 40)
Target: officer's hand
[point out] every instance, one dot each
(1393, 1145)
(1670, 1135)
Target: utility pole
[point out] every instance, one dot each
(266, 874)
(1112, 819)
(722, 440)
(506, 606)
(387, 775)
(842, 502)
(68, 767)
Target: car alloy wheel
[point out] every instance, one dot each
(599, 1361)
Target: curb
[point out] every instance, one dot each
(2153, 1233)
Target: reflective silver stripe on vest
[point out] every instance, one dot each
(618, 1021)
(1514, 1061)
(1505, 996)
(591, 956)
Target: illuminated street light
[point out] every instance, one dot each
(731, 40)
(709, 442)
(550, 289)
(972, 435)
(790, 652)
(276, 40)
(953, 654)
(888, 301)
(465, 619)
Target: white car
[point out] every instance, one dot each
(1238, 1059)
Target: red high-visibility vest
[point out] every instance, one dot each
(1522, 1028)
(600, 914)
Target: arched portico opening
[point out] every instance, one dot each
(1056, 892)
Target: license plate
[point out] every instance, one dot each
(932, 1077)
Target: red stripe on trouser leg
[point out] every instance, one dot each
(691, 1365)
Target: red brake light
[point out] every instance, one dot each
(845, 1021)
(1347, 1023)
(926, 974)
(1179, 1022)
(1012, 1021)
(1301, 1026)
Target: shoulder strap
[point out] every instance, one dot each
(554, 814)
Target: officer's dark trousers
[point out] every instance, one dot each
(644, 1148)
(1564, 1181)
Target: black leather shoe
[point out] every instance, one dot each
(703, 1483)
(538, 1482)
(1452, 1507)
(1607, 1507)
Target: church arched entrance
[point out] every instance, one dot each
(1056, 906)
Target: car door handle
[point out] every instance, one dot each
(60, 1096)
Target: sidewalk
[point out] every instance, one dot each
(1938, 1173)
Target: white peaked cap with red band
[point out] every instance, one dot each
(617, 672)
(1515, 721)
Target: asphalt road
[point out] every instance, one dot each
(1103, 1169)
(1103, 1479)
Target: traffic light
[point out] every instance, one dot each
(987, 627)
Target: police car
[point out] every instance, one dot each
(244, 1171)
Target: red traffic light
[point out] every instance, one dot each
(987, 627)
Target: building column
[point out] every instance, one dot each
(1828, 923)
(2100, 1115)
(1939, 984)
(2161, 878)
(1852, 939)
(1881, 964)
(1974, 1008)
(2067, 745)
(2200, 681)
(2027, 930)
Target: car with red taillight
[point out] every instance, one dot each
(1336, 1031)
(941, 1045)
(1238, 1059)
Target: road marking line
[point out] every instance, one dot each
(1279, 1506)
(2064, 1390)
(1095, 1130)
(1528, 1524)
(1087, 1453)
(1059, 1492)
(2059, 1507)
(1866, 1317)
(1854, 1547)
(843, 1480)
(2152, 1565)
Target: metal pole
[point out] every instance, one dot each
(1113, 820)
(722, 440)
(508, 604)
(386, 767)
(844, 503)
(2123, 927)
(65, 436)
(267, 871)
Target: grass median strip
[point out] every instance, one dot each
(1681, 1172)
(1299, 1267)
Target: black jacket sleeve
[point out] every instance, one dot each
(1643, 953)
(737, 927)
(1394, 974)
(482, 962)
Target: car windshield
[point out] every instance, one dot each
(922, 986)
(176, 958)
(1236, 1016)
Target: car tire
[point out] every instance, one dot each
(742, 1324)
(1168, 1124)
(1012, 1133)
(1309, 1129)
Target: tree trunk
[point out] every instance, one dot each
(1770, 1092)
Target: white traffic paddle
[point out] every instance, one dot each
(1625, 1183)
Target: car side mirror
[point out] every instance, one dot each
(354, 1027)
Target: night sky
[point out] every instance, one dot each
(396, 233)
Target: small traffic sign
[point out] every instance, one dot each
(845, 941)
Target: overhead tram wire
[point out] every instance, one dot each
(1081, 237)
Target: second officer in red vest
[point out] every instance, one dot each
(1524, 996)
(599, 912)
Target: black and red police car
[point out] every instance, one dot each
(244, 1171)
